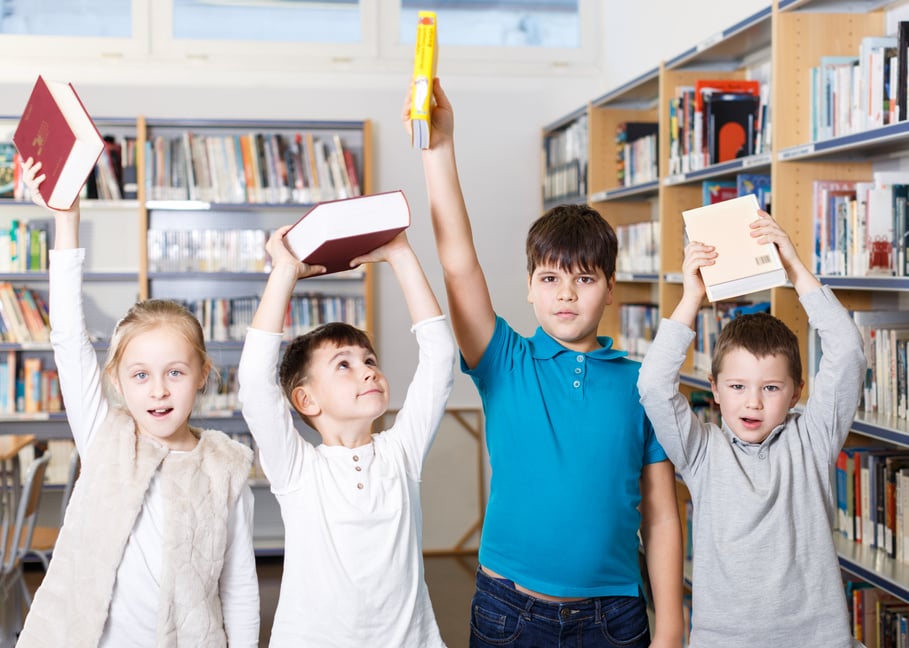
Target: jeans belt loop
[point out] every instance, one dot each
(527, 614)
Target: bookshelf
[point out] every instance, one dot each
(126, 259)
(778, 45)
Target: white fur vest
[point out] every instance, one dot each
(199, 488)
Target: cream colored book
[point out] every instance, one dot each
(742, 265)
(426, 56)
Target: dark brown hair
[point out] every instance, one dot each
(762, 335)
(572, 237)
(298, 355)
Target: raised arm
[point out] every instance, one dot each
(75, 358)
(471, 311)
(421, 300)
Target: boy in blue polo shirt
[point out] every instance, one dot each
(576, 468)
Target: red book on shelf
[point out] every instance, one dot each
(335, 231)
(56, 130)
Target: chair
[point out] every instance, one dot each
(15, 596)
(44, 538)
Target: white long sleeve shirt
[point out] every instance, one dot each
(353, 566)
(133, 611)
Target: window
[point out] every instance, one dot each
(502, 23)
(99, 18)
(325, 21)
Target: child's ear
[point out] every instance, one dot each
(304, 402)
(716, 397)
(796, 393)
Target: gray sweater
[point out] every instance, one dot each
(765, 570)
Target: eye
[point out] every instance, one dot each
(140, 375)
(772, 388)
(175, 373)
(736, 387)
(372, 362)
(547, 279)
(586, 279)
(343, 364)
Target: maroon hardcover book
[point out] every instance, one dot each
(335, 231)
(56, 130)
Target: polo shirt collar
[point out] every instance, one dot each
(543, 347)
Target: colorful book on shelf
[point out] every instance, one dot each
(757, 184)
(7, 169)
(56, 130)
(334, 232)
(714, 191)
(743, 265)
(425, 60)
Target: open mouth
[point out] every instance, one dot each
(161, 412)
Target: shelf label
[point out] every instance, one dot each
(756, 160)
(623, 276)
(599, 197)
(673, 179)
(710, 41)
(674, 277)
(797, 151)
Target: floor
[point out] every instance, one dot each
(450, 580)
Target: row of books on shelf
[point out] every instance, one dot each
(24, 315)
(717, 120)
(27, 386)
(714, 191)
(637, 152)
(208, 250)
(565, 161)
(878, 619)
(255, 167)
(862, 228)
(637, 327)
(23, 246)
(113, 176)
(226, 319)
(854, 93)
(872, 498)
(639, 247)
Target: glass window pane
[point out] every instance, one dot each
(505, 23)
(325, 21)
(111, 18)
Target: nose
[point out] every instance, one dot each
(159, 388)
(566, 292)
(754, 399)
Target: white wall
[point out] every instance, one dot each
(498, 124)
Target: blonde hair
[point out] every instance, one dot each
(146, 316)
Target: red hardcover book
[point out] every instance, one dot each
(56, 130)
(334, 232)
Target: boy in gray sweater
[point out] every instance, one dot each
(765, 568)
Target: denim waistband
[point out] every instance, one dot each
(504, 590)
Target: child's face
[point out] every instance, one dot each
(568, 304)
(159, 376)
(754, 394)
(344, 384)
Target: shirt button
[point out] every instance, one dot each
(577, 370)
(356, 458)
(576, 383)
(360, 486)
(357, 468)
(762, 454)
(580, 358)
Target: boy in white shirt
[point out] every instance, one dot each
(353, 567)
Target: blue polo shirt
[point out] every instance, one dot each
(567, 439)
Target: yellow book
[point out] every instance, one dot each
(426, 55)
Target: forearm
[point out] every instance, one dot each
(421, 301)
(273, 305)
(663, 553)
(66, 228)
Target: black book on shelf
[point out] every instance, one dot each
(902, 71)
(730, 119)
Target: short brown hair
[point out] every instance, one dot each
(294, 370)
(149, 315)
(572, 237)
(762, 335)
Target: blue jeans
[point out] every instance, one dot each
(502, 616)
